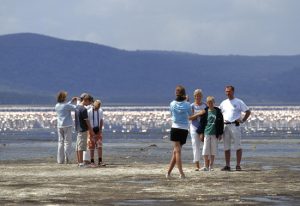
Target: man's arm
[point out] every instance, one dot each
(247, 114)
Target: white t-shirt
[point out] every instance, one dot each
(232, 109)
(96, 122)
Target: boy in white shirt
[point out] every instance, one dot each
(95, 115)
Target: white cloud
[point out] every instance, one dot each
(250, 27)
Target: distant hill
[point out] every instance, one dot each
(35, 67)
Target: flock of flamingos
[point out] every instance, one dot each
(264, 119)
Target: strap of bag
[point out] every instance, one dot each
(97, 117)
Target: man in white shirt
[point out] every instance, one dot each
(232, 109)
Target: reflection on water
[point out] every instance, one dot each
(265, 120)
(146, 202)
(274, 200)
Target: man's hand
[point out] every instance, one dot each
(220, 137)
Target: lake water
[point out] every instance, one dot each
(26, 131)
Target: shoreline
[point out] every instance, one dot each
(148, 148)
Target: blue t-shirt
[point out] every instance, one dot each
(180, 112)
(81, 115)
(63, 111)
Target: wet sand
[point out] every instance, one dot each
(135, 175)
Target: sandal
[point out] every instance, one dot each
(226, 168)
(100, 164)
(238, 168)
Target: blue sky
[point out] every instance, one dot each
(213, 27)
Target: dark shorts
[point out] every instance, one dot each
(179, 135)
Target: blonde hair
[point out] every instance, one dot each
(97, 103)
(210, 99)
(61, 96)
(198, 91)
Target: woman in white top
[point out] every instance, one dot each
(64, 126)
(197, 106)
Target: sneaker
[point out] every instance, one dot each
(226, 168)
(82, 165)
(238, 168)
(204, 169)
(182, 176)
(93, 165)
(211, 169)
(168, 176)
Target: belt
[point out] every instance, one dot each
(235, 122)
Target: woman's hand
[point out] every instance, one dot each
(201, 137)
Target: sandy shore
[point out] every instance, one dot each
(135, 175)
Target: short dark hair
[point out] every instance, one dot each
(86, 96)
(230, 87)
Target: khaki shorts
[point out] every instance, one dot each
(210, 145)
(232, 133)
(81, 142)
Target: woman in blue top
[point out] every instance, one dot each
(64, 126)
(180, 112)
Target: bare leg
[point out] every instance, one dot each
(80, 156)
(92, 153)
(227, 157)
(206, 161)
(177, 148)
(77, 155)
(99, 144)
(172, 162)
(197, 163)
(212, 159)
(238, 157)
(100, 152)
(100, 147)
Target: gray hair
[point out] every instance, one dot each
(198, 91)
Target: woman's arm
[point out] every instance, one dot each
(195, 116)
